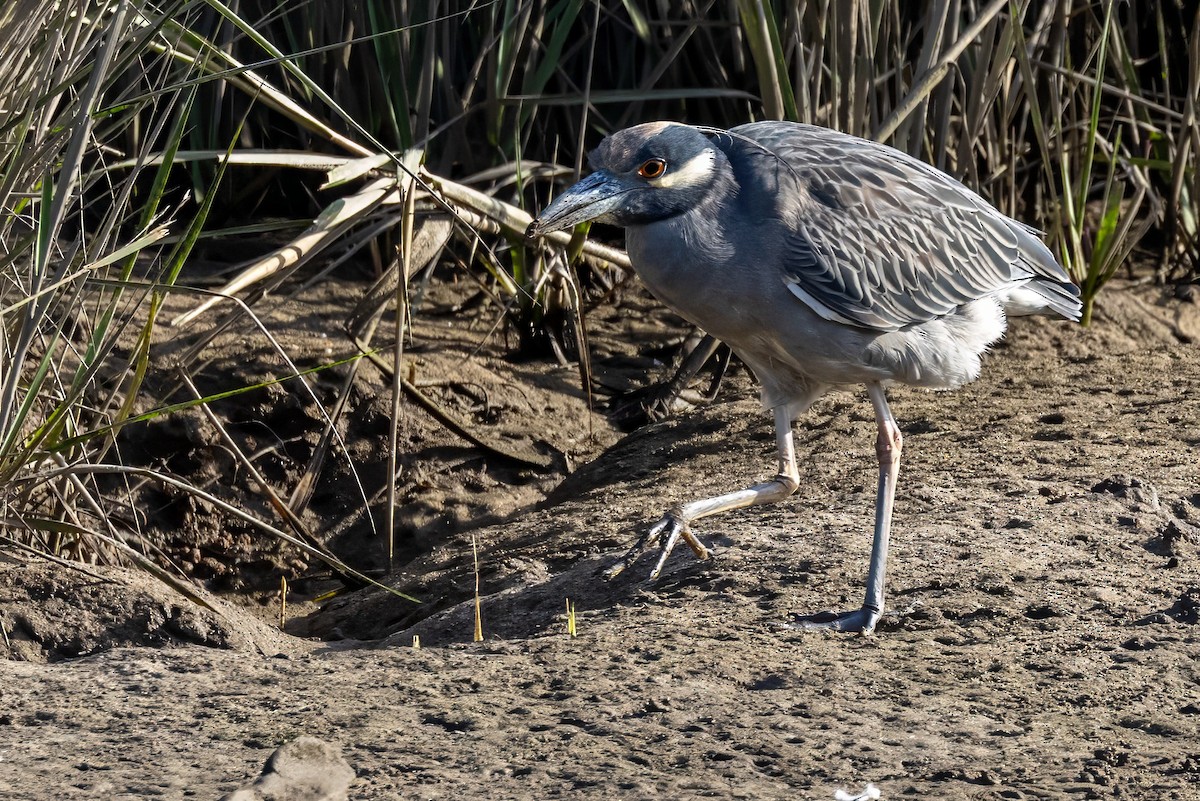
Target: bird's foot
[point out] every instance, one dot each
(861, 621)
(650, 405)
(672, 527)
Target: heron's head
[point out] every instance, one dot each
(642, 174)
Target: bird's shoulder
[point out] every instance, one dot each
(877, 238)
(847, 174)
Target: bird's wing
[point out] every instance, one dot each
(878, 239)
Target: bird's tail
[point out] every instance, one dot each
(1040, 295)
(1050, 289)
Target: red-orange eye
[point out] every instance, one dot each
(652, 168)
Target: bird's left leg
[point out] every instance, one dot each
(658, 402)
(888, 444)
(676, 523)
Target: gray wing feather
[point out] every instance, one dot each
(881, 240)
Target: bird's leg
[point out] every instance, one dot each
(658, 406)
(657, 402)
(888, 444)
(724, 355)
(676, 523)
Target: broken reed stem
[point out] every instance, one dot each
(571, 629)
(282, 601)
(478, 637)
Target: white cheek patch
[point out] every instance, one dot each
(696, 171)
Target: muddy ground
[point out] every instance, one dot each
(1041, 639)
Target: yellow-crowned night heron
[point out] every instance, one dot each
(822, 260)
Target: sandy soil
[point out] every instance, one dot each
(1041, 640)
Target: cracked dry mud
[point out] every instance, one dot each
(1041, 639)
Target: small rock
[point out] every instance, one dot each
(1187, 608)
(1042, 612)
(1187, 322)
(306, 769)
(1140, 493)
(1175, 535)
(1140, 643)
(1187, 509)
(771, 681)
(1155, 726)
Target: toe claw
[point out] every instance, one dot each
(675, 527)
(698, 548)
(615, 569)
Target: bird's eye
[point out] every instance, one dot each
(652, 168)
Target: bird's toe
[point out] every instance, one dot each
(669, 529)
(860, 621)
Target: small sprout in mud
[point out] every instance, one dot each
(416, 642)
(571, 630)
(478, 617)
(282, 601)
(871, 793)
